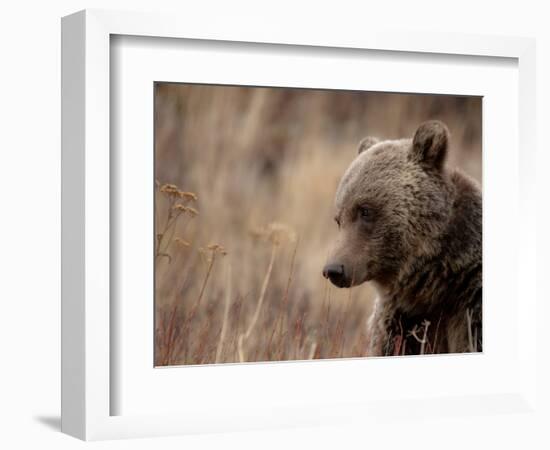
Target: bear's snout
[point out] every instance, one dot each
(336, 274)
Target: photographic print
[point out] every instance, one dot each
(303, 224)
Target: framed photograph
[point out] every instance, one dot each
(267, 228)
(236, 281)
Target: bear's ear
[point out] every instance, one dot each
(367, 143)
(430, 143)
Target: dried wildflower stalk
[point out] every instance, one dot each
(214, 250)
(178, 205)
(225, 315)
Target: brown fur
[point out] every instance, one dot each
(413, 228)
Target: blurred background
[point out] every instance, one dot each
(246, 179)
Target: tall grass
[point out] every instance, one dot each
(244, 222)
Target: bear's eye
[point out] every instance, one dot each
(364, 213)
(337, 220)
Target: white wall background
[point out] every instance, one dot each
(30, 200)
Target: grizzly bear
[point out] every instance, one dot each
(412, 228)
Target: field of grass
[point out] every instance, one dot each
(244, 203)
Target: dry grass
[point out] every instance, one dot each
(239, 253)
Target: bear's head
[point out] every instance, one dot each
(392, 206)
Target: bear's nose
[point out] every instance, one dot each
(335, 273)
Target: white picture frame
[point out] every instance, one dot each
(87, 329)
